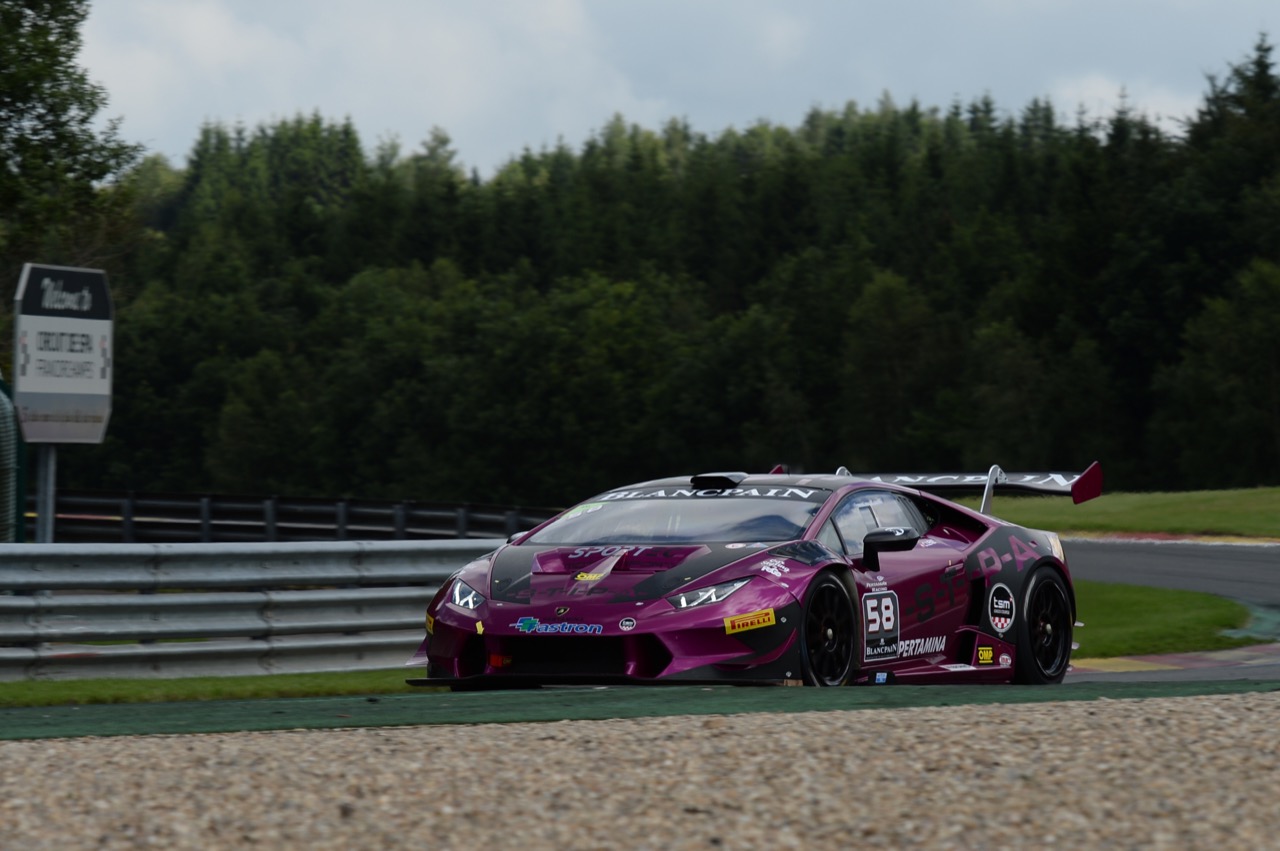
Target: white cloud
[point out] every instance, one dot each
(1099, 96)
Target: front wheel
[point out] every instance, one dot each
(1044, 635)
(828, 637)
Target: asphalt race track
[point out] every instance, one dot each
(1247, 573)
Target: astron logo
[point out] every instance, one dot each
(54, 297)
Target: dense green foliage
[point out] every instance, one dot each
(894, 287)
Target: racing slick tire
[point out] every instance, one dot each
(1044, 633)
(828, 635)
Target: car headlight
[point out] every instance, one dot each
(465, 596)
(710, 594)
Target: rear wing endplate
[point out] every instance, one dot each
(1081, 487)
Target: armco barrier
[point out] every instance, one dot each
(76, 611)
(127, 517)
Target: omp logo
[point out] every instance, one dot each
(533, 625)
(986, 655)
(588, 577)
(753, 620)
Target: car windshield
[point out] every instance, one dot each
(668, 520)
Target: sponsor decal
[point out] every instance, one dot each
(775, 566)
(431, 624)
(986, 655)
(1000, 608)
(752, 620)
(880, 626)
(627, 624)
(990, 561)
(1059, 480)
(605, 552)
(807, 552)
(880, 678)
(585, 508)
(1005, 660)
(533, 625)
(479, 627)
(702, 493)
(957, 667)
(922, 646)
(561, 611)
(734, 546)
(588, 577)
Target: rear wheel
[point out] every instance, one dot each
(1044, 635)
(828, 636)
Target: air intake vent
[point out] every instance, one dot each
(718, 480)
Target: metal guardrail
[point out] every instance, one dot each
(128, 517)
(76, 611)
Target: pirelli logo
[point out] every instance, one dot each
(753, 620)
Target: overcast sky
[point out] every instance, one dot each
(500, 76)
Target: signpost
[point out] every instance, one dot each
(62, 358)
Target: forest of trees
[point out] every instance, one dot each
(886, 288)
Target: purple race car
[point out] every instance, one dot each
(822, 580)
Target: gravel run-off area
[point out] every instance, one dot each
(1177, 773)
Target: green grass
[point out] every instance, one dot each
(1251, 513)
(70, 692)
(1127, 620)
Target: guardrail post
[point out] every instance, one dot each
(341, 519)
(206, 520)
(269, 518)
(399, 515)
(463, 518)
(513, 523)
(127, 507)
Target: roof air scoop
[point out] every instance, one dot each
(717, 480)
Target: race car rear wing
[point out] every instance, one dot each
(1080, 486)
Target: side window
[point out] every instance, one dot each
(915, 517)
(830, 538)
(900, 511)
(854, 518)
(864, 511)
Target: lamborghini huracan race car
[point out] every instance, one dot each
(821, 580)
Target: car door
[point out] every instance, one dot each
(914, 600)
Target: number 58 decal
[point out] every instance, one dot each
(880, 625)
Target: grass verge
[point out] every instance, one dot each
(1128, 620)
(1247, 513)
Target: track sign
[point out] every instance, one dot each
(62, 354)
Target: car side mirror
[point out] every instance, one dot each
(891, 539)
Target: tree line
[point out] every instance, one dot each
(885, 288)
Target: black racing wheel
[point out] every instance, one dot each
(1044, 631)
(828, 638)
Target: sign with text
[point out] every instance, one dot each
(62, 354)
